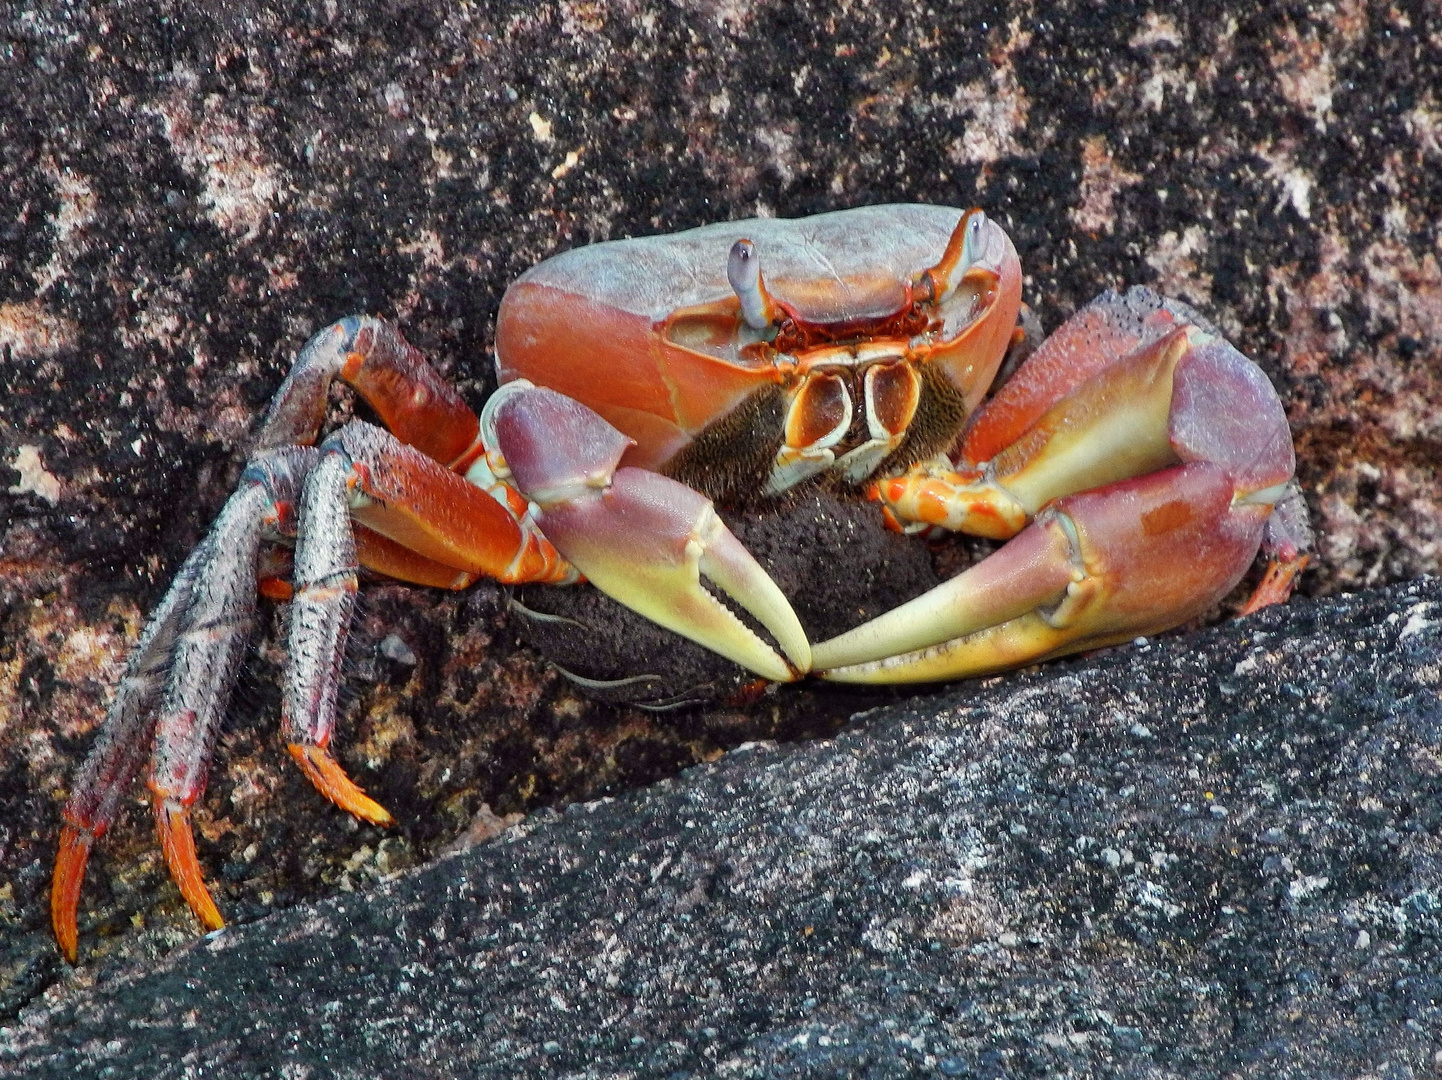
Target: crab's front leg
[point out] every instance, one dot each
(1137, 459)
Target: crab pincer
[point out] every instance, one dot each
(1138, 475)
(640, 537)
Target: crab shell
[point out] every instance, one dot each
(650, 334)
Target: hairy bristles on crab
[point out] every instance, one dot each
(1134, 462)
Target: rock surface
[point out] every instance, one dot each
(1217, 856)
(187, 192)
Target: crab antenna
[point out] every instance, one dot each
(743, 270)
(963, 251)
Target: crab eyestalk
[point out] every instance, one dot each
(743, 271)
(964, 250)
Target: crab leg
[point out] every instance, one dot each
(116, 760)
(207, 654)
(1179, 450)
(418, 516)
(187, 658)
(641, 538)
(419, 407)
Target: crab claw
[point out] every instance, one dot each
(1032, 571)
(643, 539)
(1094, 569)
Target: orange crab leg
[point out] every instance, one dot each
(206, 655)
(185, 664)
(421, 521)
(416, 404)
(385, 556)
(1276, 584)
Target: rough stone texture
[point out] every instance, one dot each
(186, 192)
(1132, 865)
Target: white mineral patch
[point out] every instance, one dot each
(33, 476)
(27, 329)
(240, 185)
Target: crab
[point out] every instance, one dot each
(1133, 464)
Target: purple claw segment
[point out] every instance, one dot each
(641, 538)
(1224, 410)
(554, 446)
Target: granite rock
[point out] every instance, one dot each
(1217, 856)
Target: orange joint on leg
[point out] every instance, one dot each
(931, 505)
(277, 589)
(332, 782)
(1276, 584)
(172, 823)
(70, 863)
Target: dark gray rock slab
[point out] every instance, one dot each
(1208, 856)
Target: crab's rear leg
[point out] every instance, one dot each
(185, 664)
(119, 753)
(1158, 475)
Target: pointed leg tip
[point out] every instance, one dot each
(330, 780)
(70, 860)
(172, 823)
(1276, 585)
(69, 946)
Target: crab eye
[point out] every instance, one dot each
(743, 271)
(971, 247)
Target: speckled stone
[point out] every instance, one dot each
(188, 191)
(1211, 857)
